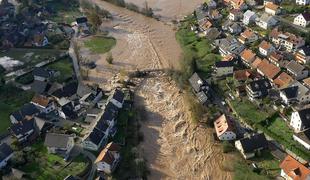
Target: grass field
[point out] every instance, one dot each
(248, 111)
(100, 45)
(49, 166)
(11, 99)
(65, 67)
(268, 164)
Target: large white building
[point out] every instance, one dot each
(302, 2)
(300, 120)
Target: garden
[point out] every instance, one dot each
(100, 44)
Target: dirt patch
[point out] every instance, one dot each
(173, 147)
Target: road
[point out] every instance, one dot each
(72, 54)
(285, 21)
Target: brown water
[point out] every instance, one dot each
(169, 9)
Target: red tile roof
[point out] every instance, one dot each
(247, 55)
(269, 70)
(283, 80)
(295, 169)
(223, 124)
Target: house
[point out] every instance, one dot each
(247, 56)
(235, 28)
(24, 131)
(237, 4)
(296, 92)
(94, 140)
(286, 40)
(61, 144)
(6, 154)
(198, 84)
(300, 120)
(251, 145)
(302, 55)
(108, 158)
(66, 91)
(27, 111)
(283, 80)
(39, 87)
(303, 2)
(42, 74)
(109, 116)
(225, 128)
(248, 36)
(117, 98)
(212, 33)
(43, 103)
(235, 15)
(266, 21)
(277, 59)
(272, 9)
(302, 19)
(306, 82)
(223, 68)
(200, 88)
(258, 88)
(229, 46)
(265, 48)
(249, 17)
(244, 75)
(256, 63)
(204, 25)
(296, 70)
(291, 169)
(303, 138)
(268, 70)
(214, 14)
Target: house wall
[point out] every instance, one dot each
(270, 11)
(90, 146)
(240, 149)
(302, 142)
(4, 162)
(300, 21)
(116, 103)
(285, 176)
(296, 122)
(302, 2)
(13, 120)
(39, 78)
(70, 145)
(227, 136)
(105, 167)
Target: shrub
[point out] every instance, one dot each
(109, 58)
(227, 147)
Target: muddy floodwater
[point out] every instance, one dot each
(173, 146)
(169, 9)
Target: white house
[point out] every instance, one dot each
(302, 19)
(225, 128)
(248, 146)
(223, 68)
(6, 154)
(300, 120)
(248, 36)
(265, 48)
(44, 104)
(235, 15)
(249, 17)
(302, 2)
(295, 93)
(108, 158)
(266, 21)
(302, 56)
(303, 138)
(117, 98)
(61, 144)
(95, 140)
(287, 40)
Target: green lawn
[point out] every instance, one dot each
(268, 164)
(65, 67)
(65, 13)
(243, 171)
(43, 165)
(100, 45)
(248, 111)
(11, 99)
(277, 128)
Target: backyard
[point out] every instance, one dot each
(65, 13)
(41, 165)
(100, 44)
(30, 57)
(65, 67)
(12, 98)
